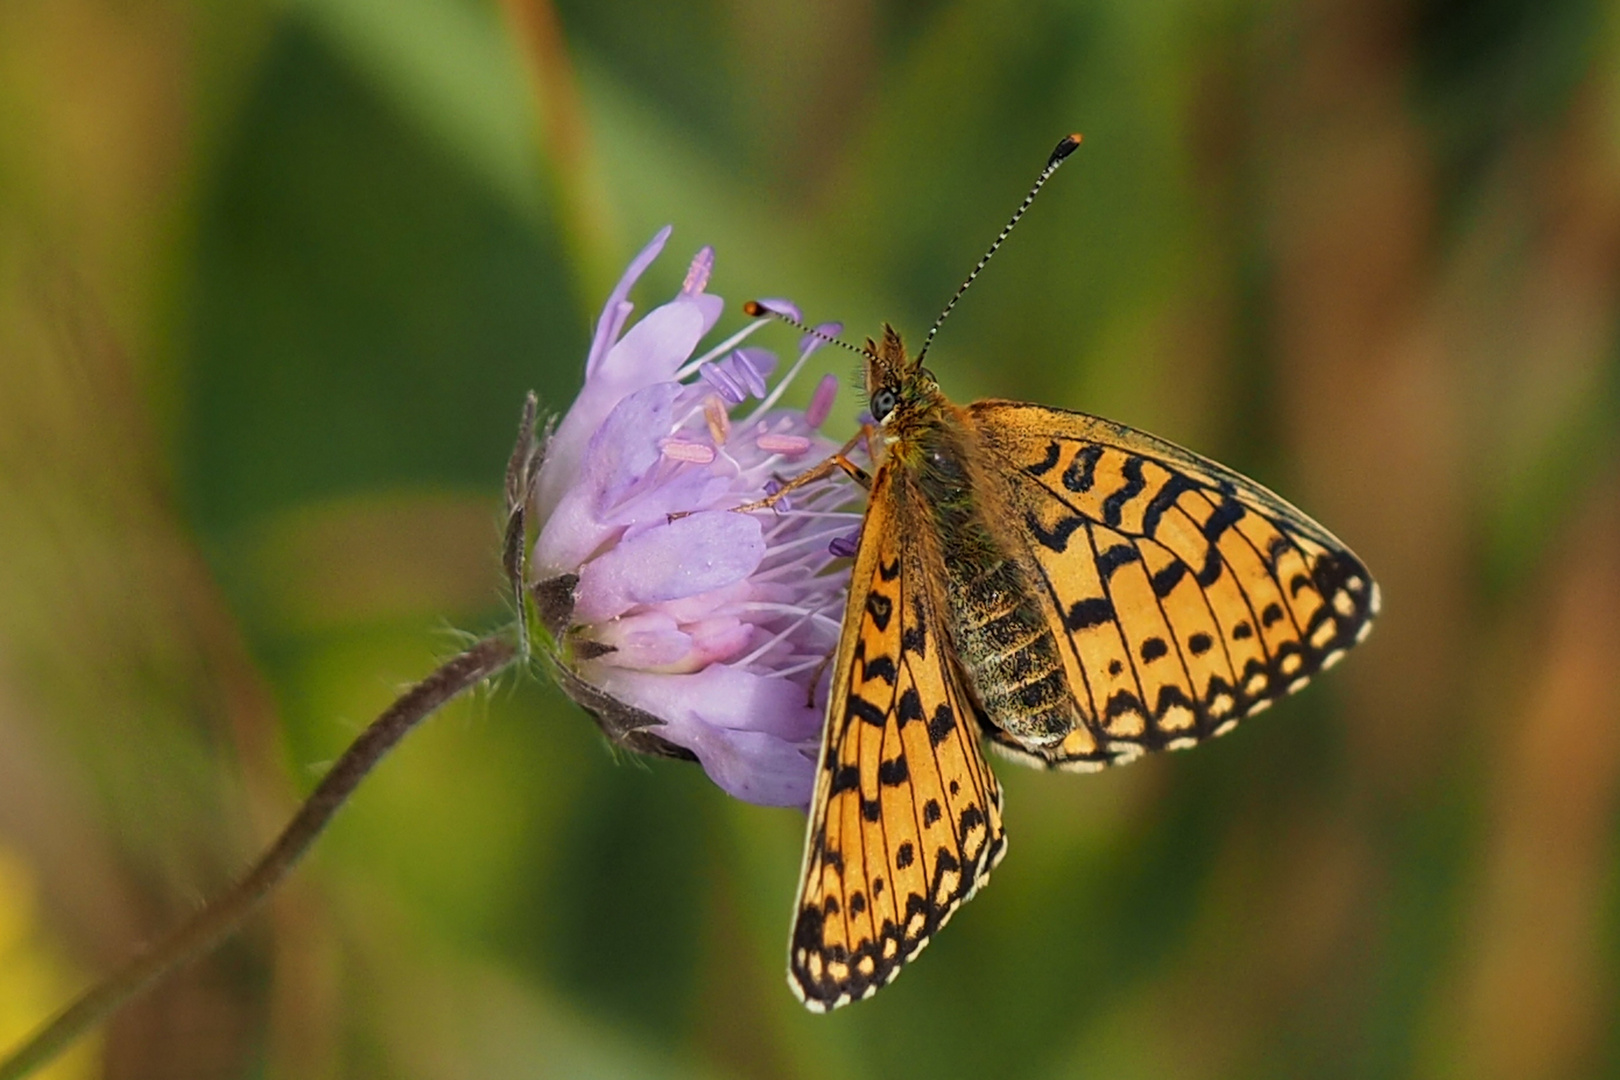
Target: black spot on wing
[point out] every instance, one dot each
(1056, 538)
(1084, 614)
(880, 608)
(1046, 464)
(1114, 505)
(971, 818)
(862, 709)
(1226, 515)
(1163, 500)
(941, 726)
(1115, 557)
(845, 778)
(910, 706)
(1217, 687)
(1332, 570)
(879, 667)
(1277, 549)
(1171, 695)
(1122, 702)
(1166, 580)
(808, 930)
(1078, 477)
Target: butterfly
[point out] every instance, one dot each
(1071, 590)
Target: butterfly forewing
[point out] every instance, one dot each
(1185, 595)
(905, 820)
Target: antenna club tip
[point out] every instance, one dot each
(754, 309)
(1065, 148)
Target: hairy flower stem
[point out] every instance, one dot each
(227, 912)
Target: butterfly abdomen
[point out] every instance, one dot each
(1009, 656)
(1001, 637)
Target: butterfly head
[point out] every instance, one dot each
(897, 386)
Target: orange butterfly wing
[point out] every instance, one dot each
(905, 820)
(1184, 595)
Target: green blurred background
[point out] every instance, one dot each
(274, 278)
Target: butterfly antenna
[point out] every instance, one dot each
(756, 310)
(1064, 149)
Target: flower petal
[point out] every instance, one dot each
(654, 349)
(718, 639)
(612, 318)
(647, 641)
(689, 555)
(651, 352)
(754, 734)
(706, 605)
(693, 490)
(622, 452)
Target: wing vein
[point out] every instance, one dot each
(1271, 572)
(1124, 639)
(1073, 646)
(916, 811)
(1170, 627)
(1214, 618)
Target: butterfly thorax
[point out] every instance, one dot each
(1000, 637)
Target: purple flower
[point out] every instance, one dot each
(704, 635)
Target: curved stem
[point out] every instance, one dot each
(227, 912)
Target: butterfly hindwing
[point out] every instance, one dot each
(905, 819)
(1186, 596)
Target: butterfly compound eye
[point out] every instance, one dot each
(883, 403)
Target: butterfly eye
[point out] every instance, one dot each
(883, 403)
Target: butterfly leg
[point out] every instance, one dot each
(820, 471)
(809, 476)
(815, 677)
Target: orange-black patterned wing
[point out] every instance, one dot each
(905, 820)
(1188, 595)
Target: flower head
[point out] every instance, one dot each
(686, 628)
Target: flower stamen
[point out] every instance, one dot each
(719, 420)
(676, 449)
(821, 401)
(831, 329)
(787, 445)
